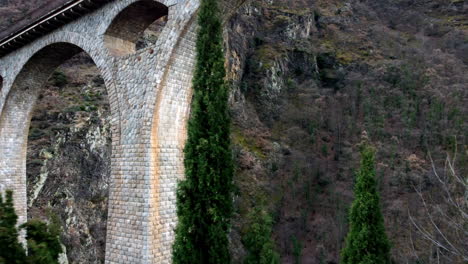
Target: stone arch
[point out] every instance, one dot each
(127, 28)
(15, 118)
(16, 63)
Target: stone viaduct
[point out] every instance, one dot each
(149, 93)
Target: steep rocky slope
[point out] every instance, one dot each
(69, 150)
(308, 78)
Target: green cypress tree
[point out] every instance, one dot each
(11, 251)
(367, 242)
(204, 199)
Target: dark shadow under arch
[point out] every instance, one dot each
(128, 26)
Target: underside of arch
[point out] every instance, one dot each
(16, 117)
(126, 29)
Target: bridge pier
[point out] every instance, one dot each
(150, 94)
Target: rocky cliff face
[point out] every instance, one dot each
(68, 166)
(308, 78)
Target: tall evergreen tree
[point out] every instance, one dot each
(11, 251)
(204, 199)
(367, 242)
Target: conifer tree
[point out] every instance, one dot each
(11, 251)
(43, 242)
(204, 200)
(258, 241)
(366, 242)
(42, 239)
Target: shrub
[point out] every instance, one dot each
(43, 243)
(42, 239)
(59, 79)
(297, 250)
(36, 133)
(11, 251)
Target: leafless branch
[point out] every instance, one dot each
(446, 221)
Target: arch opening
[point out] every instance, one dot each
(136, 27)
(57, 136)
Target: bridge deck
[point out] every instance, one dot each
(43, 20)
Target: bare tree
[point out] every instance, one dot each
(445, 221)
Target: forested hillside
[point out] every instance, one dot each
(309, 79)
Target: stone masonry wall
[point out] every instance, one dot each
(149, 94)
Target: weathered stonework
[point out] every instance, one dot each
(149, 93)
